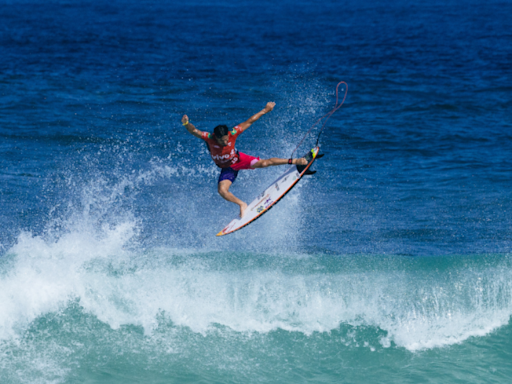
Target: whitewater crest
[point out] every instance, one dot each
(416, 308)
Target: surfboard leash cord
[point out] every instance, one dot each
(325, 117)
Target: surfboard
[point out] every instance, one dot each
(271, 195)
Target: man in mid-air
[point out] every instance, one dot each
(221, 145)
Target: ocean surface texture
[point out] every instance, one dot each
(392, 264)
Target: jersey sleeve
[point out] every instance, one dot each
(236, 131)
(206, 136)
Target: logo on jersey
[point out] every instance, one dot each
(221, 157)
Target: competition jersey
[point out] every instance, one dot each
(226, 156)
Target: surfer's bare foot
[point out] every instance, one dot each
(300, 161)
(243, 207)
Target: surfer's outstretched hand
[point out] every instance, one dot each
(270, 106)
(184, 119)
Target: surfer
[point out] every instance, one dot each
(221, 145)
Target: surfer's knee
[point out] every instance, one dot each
(223, 187)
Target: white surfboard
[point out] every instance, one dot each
(270, 196)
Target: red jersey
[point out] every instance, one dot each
(226, 156)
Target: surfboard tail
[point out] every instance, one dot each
(310, 156)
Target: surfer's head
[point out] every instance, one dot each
(221, 134)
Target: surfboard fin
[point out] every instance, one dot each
(308, 157)
(310, 172)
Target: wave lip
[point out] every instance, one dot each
(42, 276)
(419, 304)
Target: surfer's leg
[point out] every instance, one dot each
(251, 162)
(276, 161)
(224, 192)
(226, 178)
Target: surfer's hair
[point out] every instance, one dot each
(221, 130)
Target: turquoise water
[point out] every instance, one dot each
(177, 316)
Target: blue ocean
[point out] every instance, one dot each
(392, 264)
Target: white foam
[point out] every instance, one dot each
(45, 276)
(418, 311)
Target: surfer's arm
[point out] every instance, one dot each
(190, 128)
(247, 124)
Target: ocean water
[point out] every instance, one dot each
(392, 264)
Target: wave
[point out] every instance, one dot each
(417, 303)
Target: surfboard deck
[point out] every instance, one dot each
(271, 195)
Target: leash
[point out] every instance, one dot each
(325, 117)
